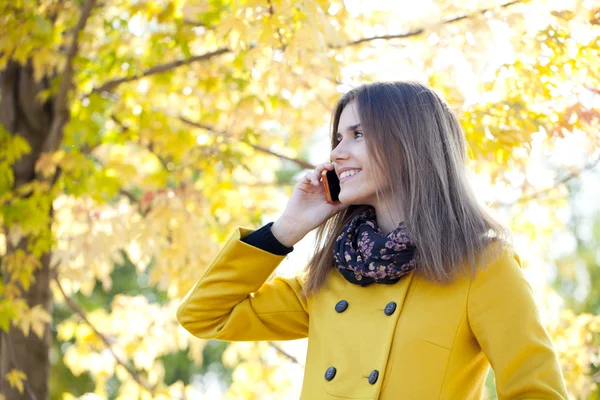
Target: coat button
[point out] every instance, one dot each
(341, 306)
(330, 373)
(390, 308)
(373, 376)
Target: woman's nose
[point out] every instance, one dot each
(337, 153)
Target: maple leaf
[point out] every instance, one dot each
(15, 378)
(34, 319)
(45, 165)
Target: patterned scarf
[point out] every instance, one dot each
(364, 255)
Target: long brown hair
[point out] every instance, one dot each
(411, 133)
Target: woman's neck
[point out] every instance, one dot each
(387, 222)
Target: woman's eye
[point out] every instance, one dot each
(337, 140)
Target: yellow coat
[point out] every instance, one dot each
(434, 344)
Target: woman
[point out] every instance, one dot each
(413, 290)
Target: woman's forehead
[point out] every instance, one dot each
(349, 116)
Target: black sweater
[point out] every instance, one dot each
(263, 239)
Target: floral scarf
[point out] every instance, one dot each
(364, 255)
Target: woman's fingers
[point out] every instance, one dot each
(317, 172)
(323, 166)
(314, 177)
(310, 178)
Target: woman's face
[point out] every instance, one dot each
(351, 152)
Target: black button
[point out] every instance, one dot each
(373, 376)
(330, 373)
(341, 306)
(390, 308)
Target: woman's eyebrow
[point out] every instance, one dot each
(350, 128)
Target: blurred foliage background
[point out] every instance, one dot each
(136, 135)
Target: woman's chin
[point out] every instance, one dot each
(349, 196)
(346, 198)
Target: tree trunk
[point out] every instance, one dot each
(29, 353)
(21, 113)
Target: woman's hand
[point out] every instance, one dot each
(306, 209)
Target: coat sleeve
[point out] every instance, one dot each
(232, 300)
(506, 322)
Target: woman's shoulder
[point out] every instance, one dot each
(499, 264)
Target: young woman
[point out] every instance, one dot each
(413, 290)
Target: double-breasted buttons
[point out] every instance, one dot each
(330, 373)
(390, 308)
(341, 306)
(373, 376)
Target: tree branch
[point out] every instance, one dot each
(420, 31)
(303, 164)
(596, 377)
(188, 21)
(284, 353)
(150, 147)
(110, 85)
(61, 106)
(542, 192)
(71, 303)
(129, 196)
(271, 16)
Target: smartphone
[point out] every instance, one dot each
(331, 183)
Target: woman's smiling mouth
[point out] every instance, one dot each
(348, 177)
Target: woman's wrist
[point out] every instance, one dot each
(286, 231)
